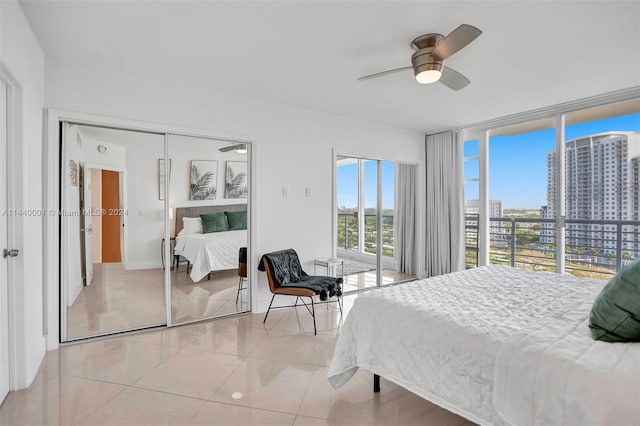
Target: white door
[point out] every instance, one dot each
(4, 303)
(88, 227)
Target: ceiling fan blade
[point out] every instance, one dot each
(453, 79)
(456, 40)
(383, 73)
(229, 148)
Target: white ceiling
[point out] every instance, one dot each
(308, 54)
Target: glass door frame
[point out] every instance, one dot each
(54, 316)
(379, 203)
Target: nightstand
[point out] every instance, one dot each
(172, 245)
(330, 265)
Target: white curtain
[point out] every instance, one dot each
(445, 204)
(405, 219)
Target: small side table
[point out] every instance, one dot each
(172, 244)
(331, 266)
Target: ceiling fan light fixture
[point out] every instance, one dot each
(428, 73)
(428, 76)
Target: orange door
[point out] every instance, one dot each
(111, 218)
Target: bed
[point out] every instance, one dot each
(495, 344)
(213, 251)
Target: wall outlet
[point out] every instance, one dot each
(285, 191)
(307, 191)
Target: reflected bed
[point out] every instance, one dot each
(209, 252)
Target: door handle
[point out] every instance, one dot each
(10, 253)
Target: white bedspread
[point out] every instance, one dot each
(558, 375)
(439, 337)
(214, 251)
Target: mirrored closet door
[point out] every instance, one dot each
(111, 226)
(153, 230)
(208, 199)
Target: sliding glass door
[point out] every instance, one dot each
(366, 222)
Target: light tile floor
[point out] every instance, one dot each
(369, 279)
(119, 300)
(232, 371)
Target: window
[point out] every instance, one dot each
(471, 200)
(599, 196)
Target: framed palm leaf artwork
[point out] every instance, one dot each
(204, 176)
(235, 182)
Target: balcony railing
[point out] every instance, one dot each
(348, 236)
(593, 248)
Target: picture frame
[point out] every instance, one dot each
(235, 180)
(203, 180)
(73, 172)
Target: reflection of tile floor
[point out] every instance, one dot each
(231, 371)
(120, 300)
(368, 279)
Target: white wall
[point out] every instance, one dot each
(294, 148)
(22, 57)
(184, 149)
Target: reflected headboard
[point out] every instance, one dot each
(196, 211)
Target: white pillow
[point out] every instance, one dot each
(190, 226)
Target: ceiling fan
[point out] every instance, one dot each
(240, 148)
(430, 52)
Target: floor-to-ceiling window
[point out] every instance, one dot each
(471, 201)
(521, 213)
(562, 191)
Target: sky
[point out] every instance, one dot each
(348, 185)
(518, 164)
(517, 167)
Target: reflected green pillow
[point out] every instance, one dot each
(214, 222)
(237, 220)
(615, 315)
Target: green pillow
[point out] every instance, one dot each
(237, 220)
(615, 315)
(213, 223)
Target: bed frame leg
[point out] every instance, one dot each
(376, 383)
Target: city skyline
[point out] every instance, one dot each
(518, 164)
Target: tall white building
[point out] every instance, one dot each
(602, 183)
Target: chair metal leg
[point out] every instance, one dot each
(267, 314)
(313, 314)
(239, 288)
(296, 304)
(340, 305)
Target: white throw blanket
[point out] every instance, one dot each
(556, 374)
(439, 337)
(214, 251)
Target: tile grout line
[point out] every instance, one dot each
(124, 388)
